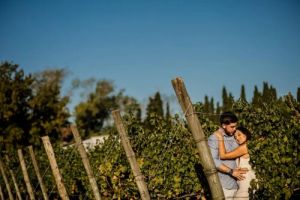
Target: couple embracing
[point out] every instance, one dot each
(229, 150)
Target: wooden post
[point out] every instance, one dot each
(6, 181)
(1, 193)
(58, 178)
(86, 162)
(139, 178)
(37, 172)
(25, 174)
(14, 179)
(206, 159)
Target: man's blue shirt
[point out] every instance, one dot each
(227, 181)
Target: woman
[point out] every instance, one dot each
(242, 135)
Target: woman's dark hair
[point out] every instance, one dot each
(245, 131)
(227, 118)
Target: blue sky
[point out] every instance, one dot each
(142, 45)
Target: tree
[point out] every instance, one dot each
(269, 93)
(129, 105)
(243, 93)
(15, 93)
(168, 112)
(224, 98)
(257, 97)
(228, 100)
(206, 105)
(211, 105)
(218, 109)
(31, 105)
(49, 107)
(92, 114)
(155, 105)
(298, 94)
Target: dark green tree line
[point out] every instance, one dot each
(31, 106)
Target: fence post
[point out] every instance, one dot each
(1, 193)
(6, 181)
(25, 174)
(57, 176)
(14, 179)
(86, 162)
(37, 172)
(206, 159)
(139, 178)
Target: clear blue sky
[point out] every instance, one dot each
(142, 45)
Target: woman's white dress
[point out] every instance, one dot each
(242, 193)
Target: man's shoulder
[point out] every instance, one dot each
(212, 137)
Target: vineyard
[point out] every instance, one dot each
(168, 159)
(36, 164)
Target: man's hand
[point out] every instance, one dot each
(238, 173)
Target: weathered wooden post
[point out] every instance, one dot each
(6, 181)
(37, 172)
(13, 178)
(57, 176)
(1, 193)
(86, 162)
(139, 178)
(25, 174)
(206, 159)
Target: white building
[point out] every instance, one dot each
(91, 142)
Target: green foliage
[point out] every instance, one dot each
(95, 111)
(164, 148)
(169, 161)
(269, 93)
(274, 148)
(31, 106)
(49, 112)
(257, 97)
(15, 94)
(155, 105)
(243, 93)
(298, 94)
(166, 156)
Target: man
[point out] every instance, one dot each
(228, 172)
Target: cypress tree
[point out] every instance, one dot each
(211, 105)
(230, 101)
(298, 94)
(225, 99)
(139, 114)
(218, 109)
(243, 93)
(269, 93)
(256, 100)
(168, 113)
(206, 105)
(266, 93)
(155, 106)
(273, 93)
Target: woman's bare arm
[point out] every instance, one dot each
(237, 152)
